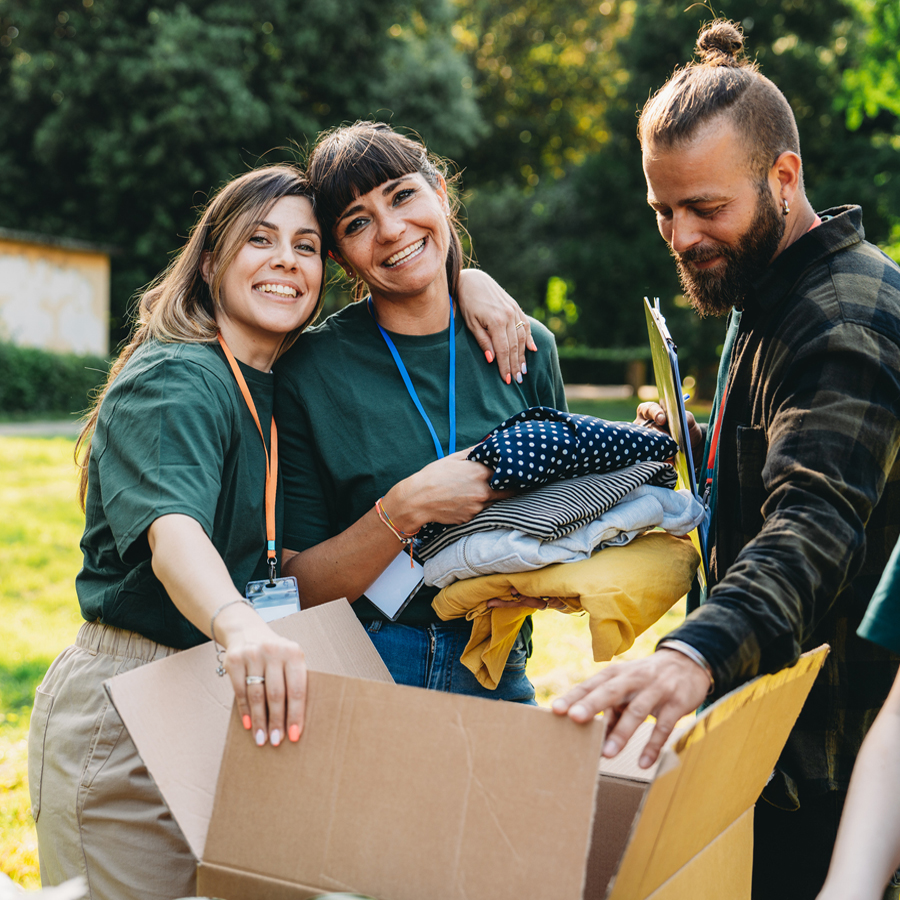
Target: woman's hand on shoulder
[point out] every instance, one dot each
(268, 673)
(497, 322)
(450, 490)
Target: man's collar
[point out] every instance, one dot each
(841, 228)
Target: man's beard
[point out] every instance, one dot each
(714, 292)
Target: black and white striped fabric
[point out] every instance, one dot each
(540, 445)
(553, 510)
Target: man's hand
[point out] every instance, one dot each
(667, 685)
(652, 415)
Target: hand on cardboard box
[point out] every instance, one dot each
(667, 685)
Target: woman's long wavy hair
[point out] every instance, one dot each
(352, 160)
(179, 306)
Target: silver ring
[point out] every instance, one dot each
(255, 679)
(520, 324)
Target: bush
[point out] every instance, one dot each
(604, 365)
(37, 382)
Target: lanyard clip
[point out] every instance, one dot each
(272, 563)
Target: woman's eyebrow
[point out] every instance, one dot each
(350, 210)
(264, 224)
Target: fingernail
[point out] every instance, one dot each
(508, 379)
(519, 378)
(578, 712)
(294, 733)
(644, 761)
(533, 347)
(610, 748)
(524, 369)
(260, 738)
(246, 720)
(275, 737)
(489, 356)
(559, 704)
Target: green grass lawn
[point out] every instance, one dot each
(39, 534)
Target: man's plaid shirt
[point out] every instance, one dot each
(807, 493)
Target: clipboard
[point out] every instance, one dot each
(668, 382)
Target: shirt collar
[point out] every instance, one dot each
(841, 228)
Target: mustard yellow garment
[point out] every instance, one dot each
(624, 590)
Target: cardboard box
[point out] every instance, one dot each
(405, 794)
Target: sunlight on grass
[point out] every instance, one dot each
(39, 557)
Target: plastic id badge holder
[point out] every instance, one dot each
(396, 586)
(274, 598)
(668, 383)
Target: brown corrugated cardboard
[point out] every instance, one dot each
(404, 794)
(177, 710)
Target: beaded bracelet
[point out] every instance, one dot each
(402, 536)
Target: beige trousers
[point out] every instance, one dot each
(98, 812)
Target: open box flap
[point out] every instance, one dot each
(466, 797)
(177, 709)
(712, 774)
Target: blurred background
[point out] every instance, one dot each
(118, 117)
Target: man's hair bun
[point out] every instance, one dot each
(721, 43)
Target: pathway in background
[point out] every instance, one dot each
(60, 428)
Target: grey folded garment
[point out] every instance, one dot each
(553, 510)
(489, 552)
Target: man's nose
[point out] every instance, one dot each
(684, 232)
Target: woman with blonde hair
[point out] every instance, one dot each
(179, 454)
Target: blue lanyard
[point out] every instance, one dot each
(412, 391)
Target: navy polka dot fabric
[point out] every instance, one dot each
(540, 445)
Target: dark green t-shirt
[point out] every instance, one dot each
(174, 435)
(881, 624)
(350, 430)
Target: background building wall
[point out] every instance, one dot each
(54, 295)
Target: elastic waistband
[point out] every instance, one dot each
(97, 638)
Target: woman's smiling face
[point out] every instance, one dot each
(272, 285)
(396, 238)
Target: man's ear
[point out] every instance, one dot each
(784, 176)
(206, 266)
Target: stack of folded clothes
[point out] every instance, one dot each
(578, 532)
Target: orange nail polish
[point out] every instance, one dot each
(508, 379)
(246, 720)
(294, 733)
(489, 356)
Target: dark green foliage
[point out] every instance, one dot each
(35, 382)
(118, 116)
(593, 228)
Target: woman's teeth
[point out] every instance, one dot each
(281, 289)
(405, 254)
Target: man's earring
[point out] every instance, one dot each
(786, 209)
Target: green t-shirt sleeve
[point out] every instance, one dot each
(881, 624)
(164, 439)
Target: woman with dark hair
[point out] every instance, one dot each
(176, 476)
(380, 402)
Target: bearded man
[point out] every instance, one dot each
(802, 456)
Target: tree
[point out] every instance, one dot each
(544, 73)
(118, 116)
(592, 228)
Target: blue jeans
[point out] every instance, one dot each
(427, 656)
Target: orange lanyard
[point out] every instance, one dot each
(271, 461)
